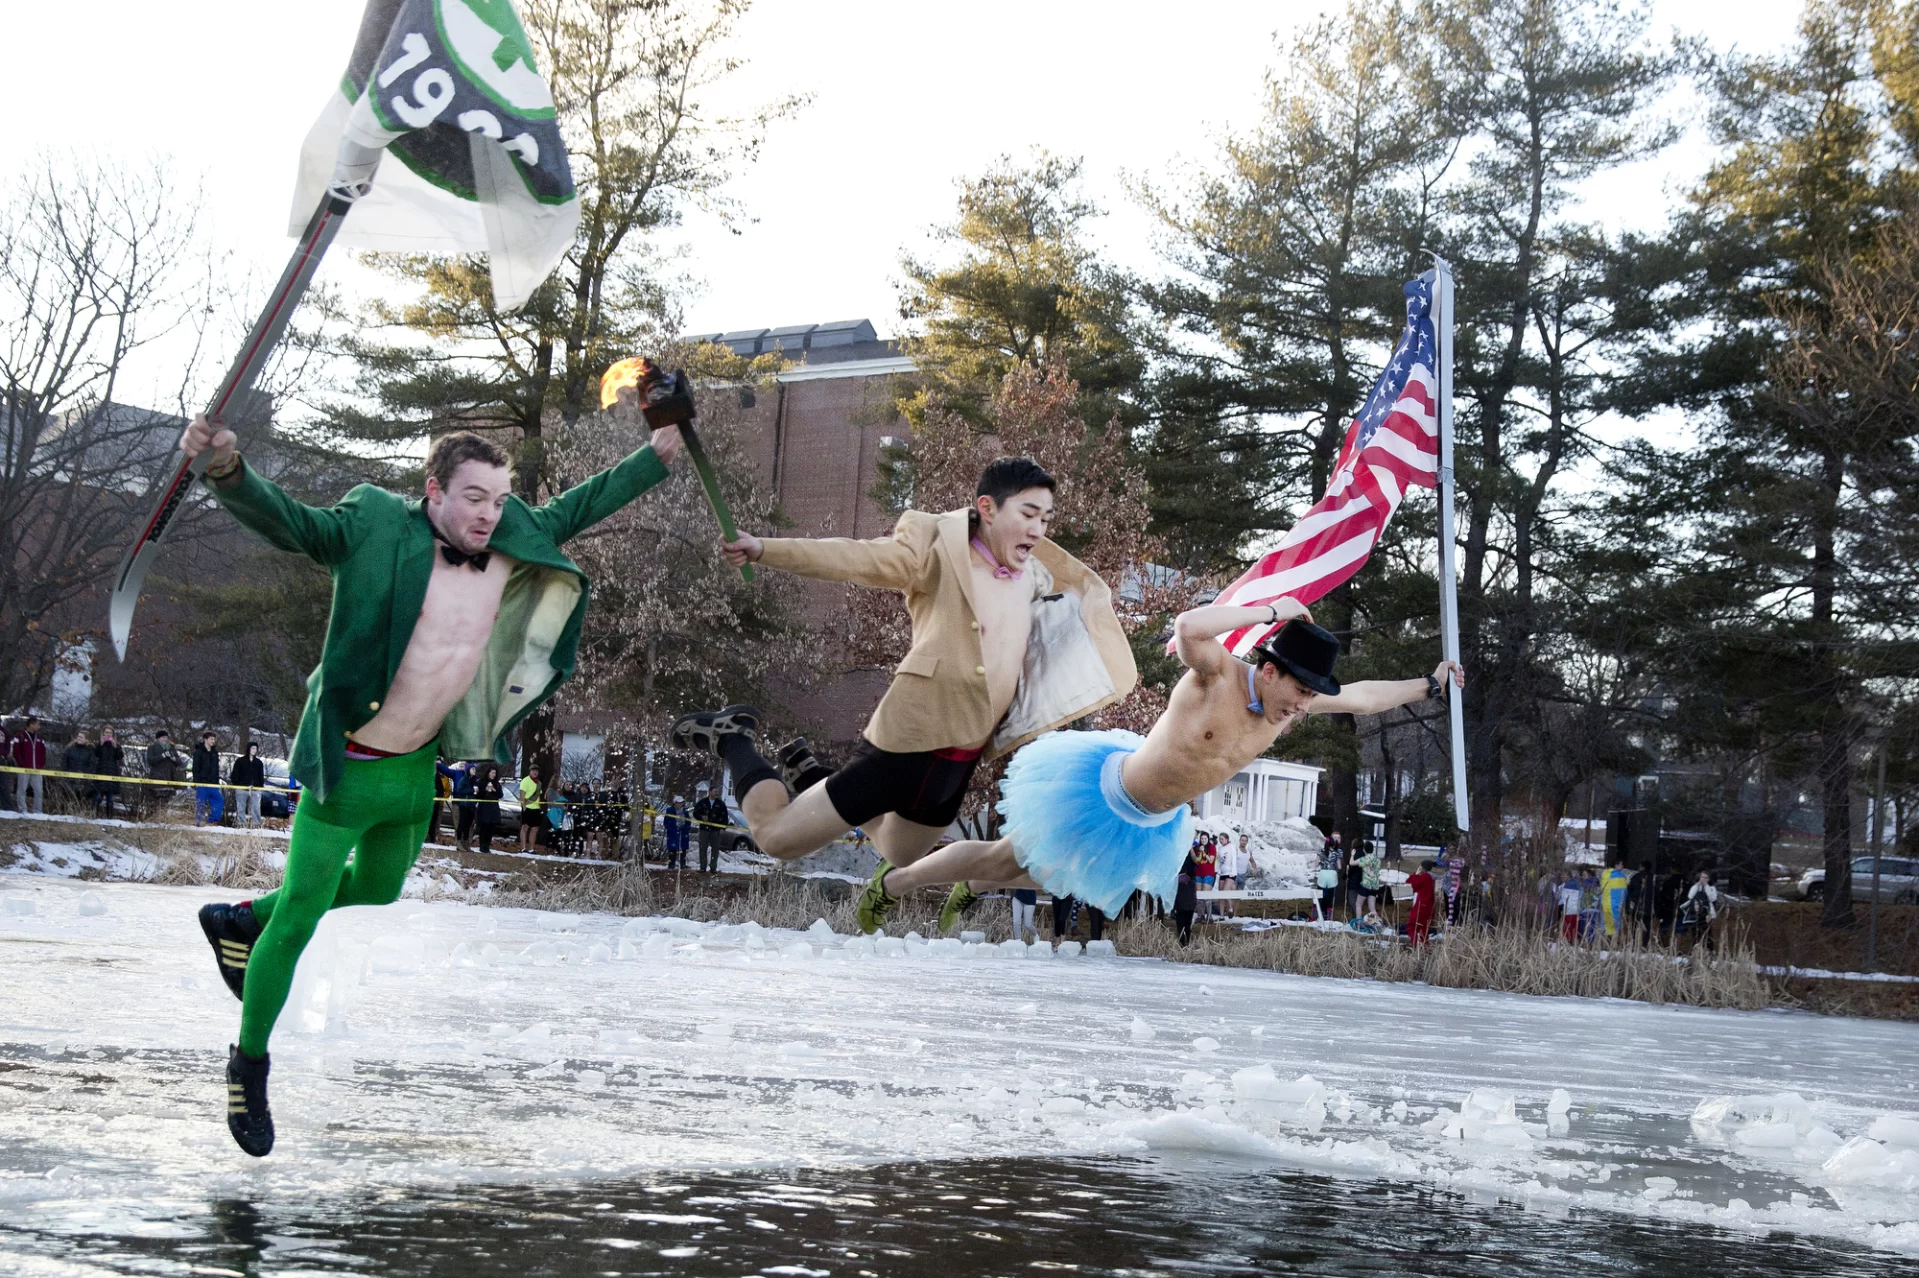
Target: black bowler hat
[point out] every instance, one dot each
(1306, 652)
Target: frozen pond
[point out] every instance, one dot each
(448, 1073)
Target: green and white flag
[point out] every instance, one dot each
(451, 89)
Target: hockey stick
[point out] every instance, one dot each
(259, 344)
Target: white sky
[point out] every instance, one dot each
(908, 98)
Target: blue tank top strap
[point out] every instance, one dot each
(1253, 702)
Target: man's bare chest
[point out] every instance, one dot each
(461, 605)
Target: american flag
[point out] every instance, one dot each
(1391, 446)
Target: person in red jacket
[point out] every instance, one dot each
(29, 751)
(1419, 920)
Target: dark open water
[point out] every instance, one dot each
(940, 1220)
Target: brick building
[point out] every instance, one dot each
(816, 443)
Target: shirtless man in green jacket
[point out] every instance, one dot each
(453, 618)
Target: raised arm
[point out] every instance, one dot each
(599, 496)
(327, 534)
(1372, 696)
(1196, 631)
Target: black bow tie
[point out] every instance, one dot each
(456, 557)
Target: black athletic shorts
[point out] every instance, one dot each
(926, 787)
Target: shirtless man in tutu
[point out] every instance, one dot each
(1098, 815)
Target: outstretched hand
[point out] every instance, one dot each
(744, 549)
(200, 436)
(1457, 674)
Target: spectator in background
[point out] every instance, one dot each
(1665, 903)
(1230, 868)
(1326, 878)
(487, 793)
(164, 762)
(1024, 900)
(108, 762)
(1613, 886)
(1065, 916)
(1185, 899)
(29, 751)
(646, 832)
(207, 807)
(1419, 920)
(530, 819)
(1569, 894)
(1207, 877)
(1639, 903)
(77, 758)
(1700, 909)
(1588, 903)
(247, 776)
(461, 774)
(709, 812)
(676, 822)
(1368, 863)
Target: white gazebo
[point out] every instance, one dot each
(1264, 790)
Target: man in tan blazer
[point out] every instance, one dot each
(1012, 637)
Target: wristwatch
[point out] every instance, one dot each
(1435, 690)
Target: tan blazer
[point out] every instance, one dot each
(1077, 659)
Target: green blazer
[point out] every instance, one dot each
(380, 550)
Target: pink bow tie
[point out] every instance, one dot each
(1000, 570)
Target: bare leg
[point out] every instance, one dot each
(790, 829)
(903, 842)
(972, 861)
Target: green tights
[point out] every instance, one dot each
(378, 814)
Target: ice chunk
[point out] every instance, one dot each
(657, 946)
(1141, 1031)
(599, 953)
(20, 906)
(1013, 946)
(1205, 991)
(973, 938)
(857, 946)
(1026, 1009)
(797, 950)
(889, 947)
(799, 1050)
(1865, 1162)
(541, 954)
(1487, 1115)
(536, 1034)
(558, 922)
(1062, 1105)
(1260, 1083)
(1559, 1112)
(490, 954)
(638, 929)
(1894, 1130)
(1658, 1187)
(93, 904)
(945, 947)
(628, 950)
(1069, 949)
(1040, 950)
(822, 932)
(1101, 949)
(912, 936)
(591, 1080)
(1205, 1044)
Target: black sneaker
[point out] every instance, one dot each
(702, 732)
(231, 931)
(248, 1117)
(800, 768)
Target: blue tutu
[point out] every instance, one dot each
(1077, 832)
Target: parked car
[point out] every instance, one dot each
(283, 792)
(1898, 880)
(737, 838)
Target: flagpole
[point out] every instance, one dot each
(1448, 571)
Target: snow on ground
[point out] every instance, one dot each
(434, 1044)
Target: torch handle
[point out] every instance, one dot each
(711, 483)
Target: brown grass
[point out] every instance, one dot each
(1515, 960)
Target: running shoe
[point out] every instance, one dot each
(703, 731)
(958, 901)
(800, 768)
(248, 1117)
(875, 902)
(231, 930)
